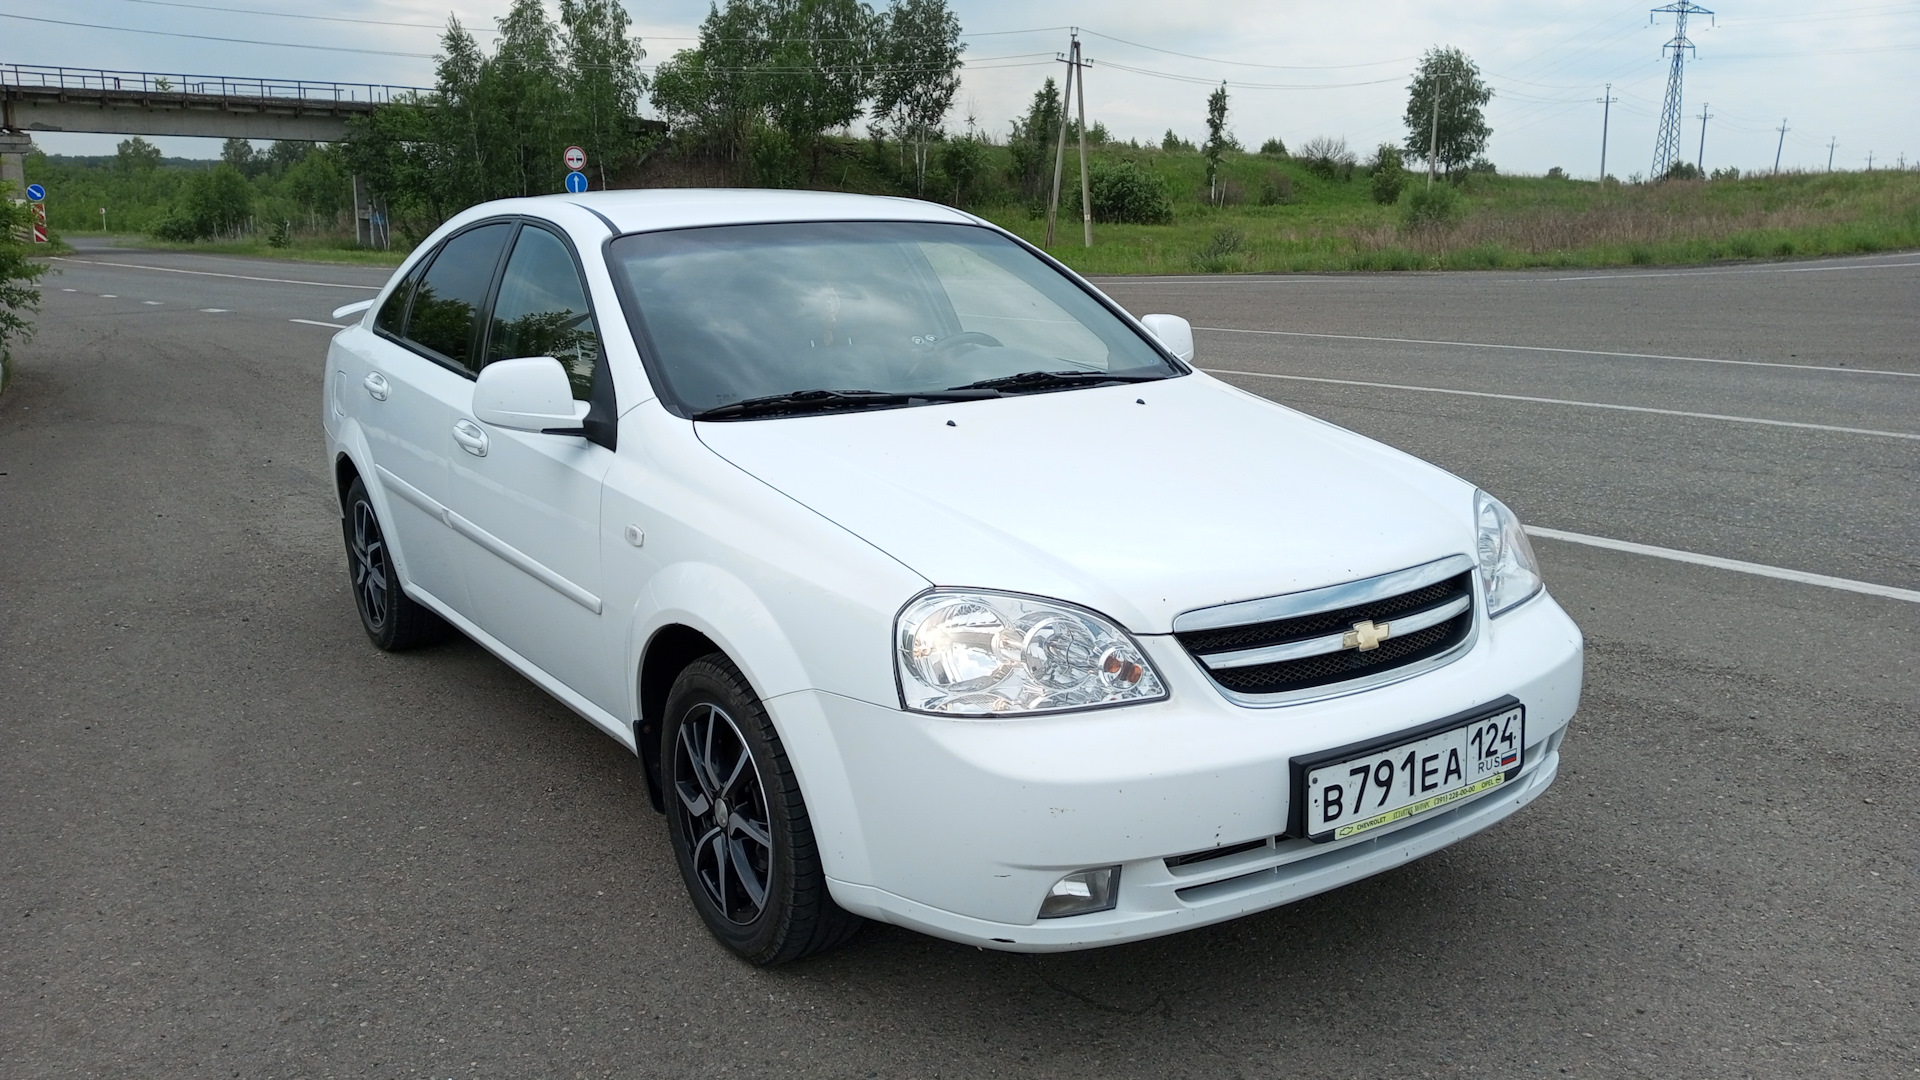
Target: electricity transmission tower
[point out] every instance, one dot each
(1666, 145)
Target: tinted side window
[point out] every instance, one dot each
(393, 313)
(450, 295)
(542, 310)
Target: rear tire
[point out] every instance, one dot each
(739, 827)
(390, 617)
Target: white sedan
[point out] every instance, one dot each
(928, 585)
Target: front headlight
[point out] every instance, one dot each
(1508, 569)
(988, 654)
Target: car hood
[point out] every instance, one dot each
(1139, 501)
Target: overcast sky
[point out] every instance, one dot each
(1848, 72)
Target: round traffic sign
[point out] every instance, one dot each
(576, 182)
(576, 158)
(36, 193)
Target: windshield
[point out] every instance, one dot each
(749, 312)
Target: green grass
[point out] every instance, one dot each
(1507, 222)
(301, 249)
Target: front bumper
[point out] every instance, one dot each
(957, 828)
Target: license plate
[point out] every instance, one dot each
(1355, 789)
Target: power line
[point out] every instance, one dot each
(295, 15)
(1203, 81)
(1245, 63)
(210, 37)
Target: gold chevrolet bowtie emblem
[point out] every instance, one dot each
(1366, 635)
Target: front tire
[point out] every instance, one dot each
(739, 827)
(390, 617)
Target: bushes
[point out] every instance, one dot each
(1389, 174)
(1328, 159)
(213, 203)
(1123, 193)
(1276, 188)
(1224, 253)
(1431, 206)
(1274, 148)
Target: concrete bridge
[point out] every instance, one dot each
(37, 98)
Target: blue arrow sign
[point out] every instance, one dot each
(36, 193)
(576, 182)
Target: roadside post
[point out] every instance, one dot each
(37, 198)
(576, 160)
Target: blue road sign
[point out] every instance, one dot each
(36, 193)
(576, 182)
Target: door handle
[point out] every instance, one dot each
(470, 437)
(376, 385)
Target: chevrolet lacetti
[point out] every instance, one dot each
(929, 585)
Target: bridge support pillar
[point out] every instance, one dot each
(14, 148)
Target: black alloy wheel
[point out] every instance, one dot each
(739, 826)
(390, 617)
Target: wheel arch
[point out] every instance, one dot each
(667, 653)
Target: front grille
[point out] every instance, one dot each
(1219, 649)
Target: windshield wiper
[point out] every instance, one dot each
(806, 401)
(1054, 380)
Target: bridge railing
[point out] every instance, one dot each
(165, 83)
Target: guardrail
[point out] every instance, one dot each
(37, 76)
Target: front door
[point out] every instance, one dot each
(419, 381)
(533, 500)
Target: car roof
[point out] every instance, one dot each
(680, 208)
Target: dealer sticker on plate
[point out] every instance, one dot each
(1378, 787)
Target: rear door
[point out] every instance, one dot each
(419, 383)
(530, 502)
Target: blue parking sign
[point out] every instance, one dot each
(36, 193)
(576, 182)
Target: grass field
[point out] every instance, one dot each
(1503, 222)
(300, 249)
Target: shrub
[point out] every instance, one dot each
(1389, 174)
(1432, 206)
(1274, 148)
(1728, 173)
(1682, 170)
(281, 236)
(1556, 173)
(1123, 193)
(1171, 143)
(1276, 188)
(1328, 158)
(1221, 254)
(1481, 166)
(212, 203)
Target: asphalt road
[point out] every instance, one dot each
(235, 840)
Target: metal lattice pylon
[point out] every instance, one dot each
(1666, 145)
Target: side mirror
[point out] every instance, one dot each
(528, 394)
(1174, 332)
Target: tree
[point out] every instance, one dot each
(1273, 148)
(819, 69)
(1447, 76)
(136, 155)
(1217, 139)
(239, 154)
(916, 72)
(284, 155)
(18, 296)
(1172, 143)
(216, 202)
(603, 79)
(1030, 149)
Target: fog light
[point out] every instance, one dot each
(1082, 892)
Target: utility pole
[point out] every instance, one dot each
(1075, 65)
(1869, 161)
(1666, 145)
(1607, 99)
(1433, 140)
(1783, 143)
(1830, 145)
(1700, 162)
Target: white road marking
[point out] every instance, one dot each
(1550, 349)
(1637, 275)
(210, 273)
(1911, 596)
(151, 303)
(316, 322)
(214, 310)
(1579, 404)
(69, 290)
(108, 296)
